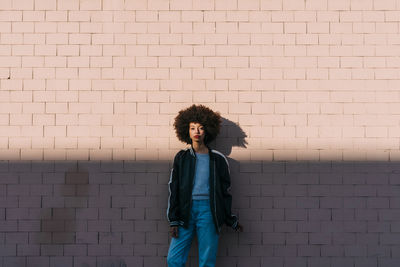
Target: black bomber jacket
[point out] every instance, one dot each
(181, 184)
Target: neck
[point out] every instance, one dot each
(200, 147)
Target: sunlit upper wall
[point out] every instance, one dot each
(304, 80)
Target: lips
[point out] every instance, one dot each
(197, 136)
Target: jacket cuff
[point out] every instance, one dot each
(174, 223)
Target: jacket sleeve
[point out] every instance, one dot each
(230, 219)
(173, 199)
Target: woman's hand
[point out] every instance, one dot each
(173, 230)
(239, 228)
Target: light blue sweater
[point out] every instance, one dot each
(201, 187)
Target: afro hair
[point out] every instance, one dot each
(200, 114)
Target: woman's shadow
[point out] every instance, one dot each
(231, 135)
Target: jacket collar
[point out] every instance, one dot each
(192, 152)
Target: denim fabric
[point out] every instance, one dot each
(200, 223)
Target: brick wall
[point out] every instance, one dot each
(113, 213)
(308, 90)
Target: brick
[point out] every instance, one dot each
(355, 251)
(144, 250)
(14, 261)
(295, 214)
(16, 238)
(37, 261)
(366, 262)
(331, 202)
(75, 225)
(51, 250)
(28, 250)
(8, 250)
(378, 250)
(29, 225)
(366, 214)
(343, 214)
(318, 261)
(273, 238)
(61, 261)
(75, 250)
(352, 227)
(378, 227)
(332, 250)
(295, 261)
(99, 226)
(319, 214)
(31, 202)
(98, 250)
(309, 250)
(378, 203)
(110, 238)
(89, 261)
(87, 238)
(332, 227)
(55, 15)
(17, 213)
(121, 250)
(235, 248)
(75, 202)
(93, 5)
(344, 238)
(261, 250)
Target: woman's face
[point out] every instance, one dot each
(197, 132)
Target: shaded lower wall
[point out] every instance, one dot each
(113, 214)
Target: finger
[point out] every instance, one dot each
(176, 232)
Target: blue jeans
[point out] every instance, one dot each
(201, 222)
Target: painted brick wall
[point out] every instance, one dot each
(309, 93)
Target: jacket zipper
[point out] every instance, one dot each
(215, 199)
(191, 191)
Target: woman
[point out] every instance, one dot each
(199, 189)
